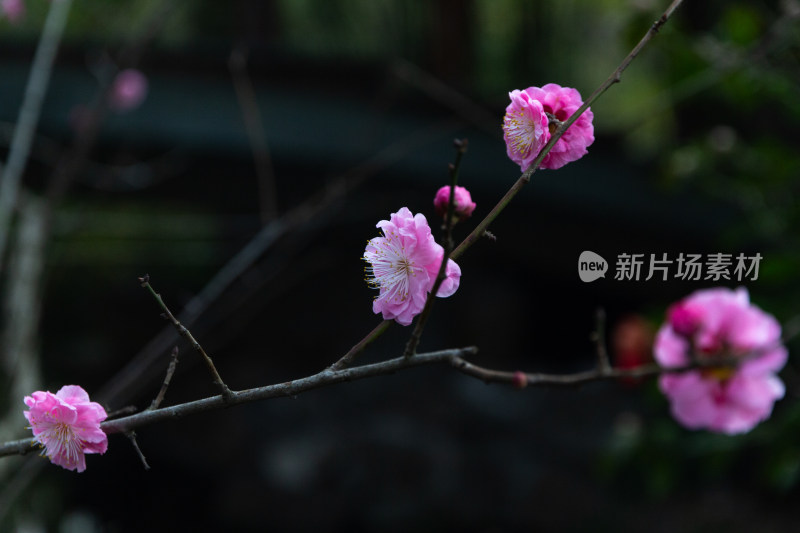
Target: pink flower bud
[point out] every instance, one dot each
(684, 319)
(13, 10)
(463, 204)
(519, 380)
(128, 91)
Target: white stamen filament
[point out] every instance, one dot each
(62, 442)
(390, 268)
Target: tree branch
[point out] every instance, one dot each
(615, 76)
(289, 388)
(413, 342)
(185, 333)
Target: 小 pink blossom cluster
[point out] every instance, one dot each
(533, 116)
(67, 425)
(721, 324)
(462, 200)
(403, 265)
(13, 10)
(128, 90)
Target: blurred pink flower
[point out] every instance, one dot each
(13, 10)
(464, 206)
(721, 323)
(128, 91)
(404, 263)
(67, 424)
(528, 128)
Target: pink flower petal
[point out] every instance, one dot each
(67, 425)
(403, 264)
(721, 323)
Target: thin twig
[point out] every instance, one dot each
(599, 338)
(599, 373)
(185, 333)
(446, 95)
(173, 363)
(525, 178)
(120, 387)
(254, 125)
(132, 437)
(413, 342)
(356, 350)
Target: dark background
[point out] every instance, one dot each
(360, 101)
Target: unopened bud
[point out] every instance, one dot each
(519, 380)
(463, 204)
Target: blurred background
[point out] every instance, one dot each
(241, 153)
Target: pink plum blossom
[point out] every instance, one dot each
(13, 10)
(403, 265)
(532, 117)
(525, 128)
(464, 206)
(129, 90)
(721, 323)
(67, 425)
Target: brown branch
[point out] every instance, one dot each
(132, 437)
(280, 390)
(455, 357)
(615, 77)
(356, 350)
(413, 342)
(604, 371)
(173, 363)
(186, 334)
(120, 387)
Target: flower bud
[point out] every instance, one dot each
(129, 90)
(519, 380)
(463, 204)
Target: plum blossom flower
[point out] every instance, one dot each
(721, 323)
(67, 425)
(13, 10)
(128, 90)
(533, 116)
(525, 128)
(464, 206)
(403, 265)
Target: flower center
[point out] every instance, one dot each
(721, 374)
(521, 131)
(391, 268)
(61, 441)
